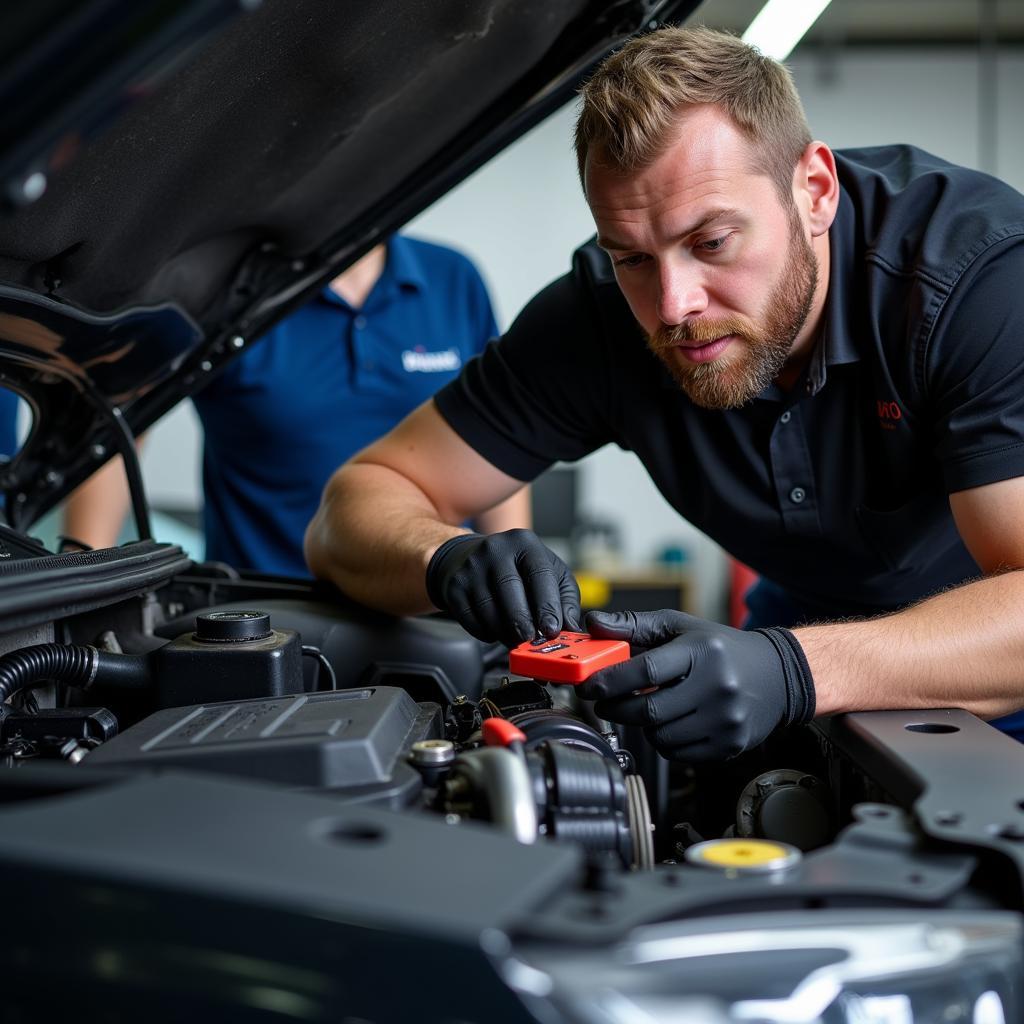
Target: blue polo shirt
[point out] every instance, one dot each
(8, 422)
(320, 386)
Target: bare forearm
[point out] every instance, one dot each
(95, 512)
(512, 514)
(373, 537)
(963, 648)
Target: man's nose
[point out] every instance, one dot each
(681, 295)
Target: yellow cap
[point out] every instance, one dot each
(743, 854)
(595, 591)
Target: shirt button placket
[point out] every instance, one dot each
(793, 474)
(361, 344)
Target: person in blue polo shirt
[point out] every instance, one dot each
(322, 384)
(326, 382)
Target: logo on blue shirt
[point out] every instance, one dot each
(418, 361)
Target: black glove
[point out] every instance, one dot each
(505, 586)
(719, 690)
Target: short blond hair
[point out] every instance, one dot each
(632, 102)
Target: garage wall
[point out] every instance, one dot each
(522, 215)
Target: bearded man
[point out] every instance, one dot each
(832, 387)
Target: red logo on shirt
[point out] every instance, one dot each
(889, 414)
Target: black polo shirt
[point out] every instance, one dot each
(836, 490)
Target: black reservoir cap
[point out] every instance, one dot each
(232, 626)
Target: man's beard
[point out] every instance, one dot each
(738, 376)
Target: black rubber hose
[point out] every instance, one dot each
(77, 666)
(326, 668)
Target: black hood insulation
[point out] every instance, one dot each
(297, 137)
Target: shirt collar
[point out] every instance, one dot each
(402, 269)
(837, 345)
(404, 265)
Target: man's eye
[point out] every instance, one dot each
(713, 244)
(629, 261)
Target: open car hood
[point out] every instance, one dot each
(184, 175)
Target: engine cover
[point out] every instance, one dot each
(347, 740)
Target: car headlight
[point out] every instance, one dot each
(826, 967)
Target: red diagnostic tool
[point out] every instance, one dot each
(566, 658)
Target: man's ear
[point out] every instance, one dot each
(816, 187)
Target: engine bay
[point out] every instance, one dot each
(185, 733)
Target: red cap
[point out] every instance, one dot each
(500, 732)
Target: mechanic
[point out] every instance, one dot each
(831, 387)
(323, 383)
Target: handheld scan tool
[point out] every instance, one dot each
(567, 658)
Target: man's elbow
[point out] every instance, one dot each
(318, 539)
(312, 548)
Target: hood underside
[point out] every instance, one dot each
(269, 158)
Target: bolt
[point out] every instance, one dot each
(237, 342)
(432, 753)
(97, 451)
(75, 753)
(206, 366)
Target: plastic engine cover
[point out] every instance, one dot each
(351, 741)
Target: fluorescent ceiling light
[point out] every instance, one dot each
(781, 24)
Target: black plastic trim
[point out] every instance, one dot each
(38, 590)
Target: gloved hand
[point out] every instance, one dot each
(505, 586)
(719, 690)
